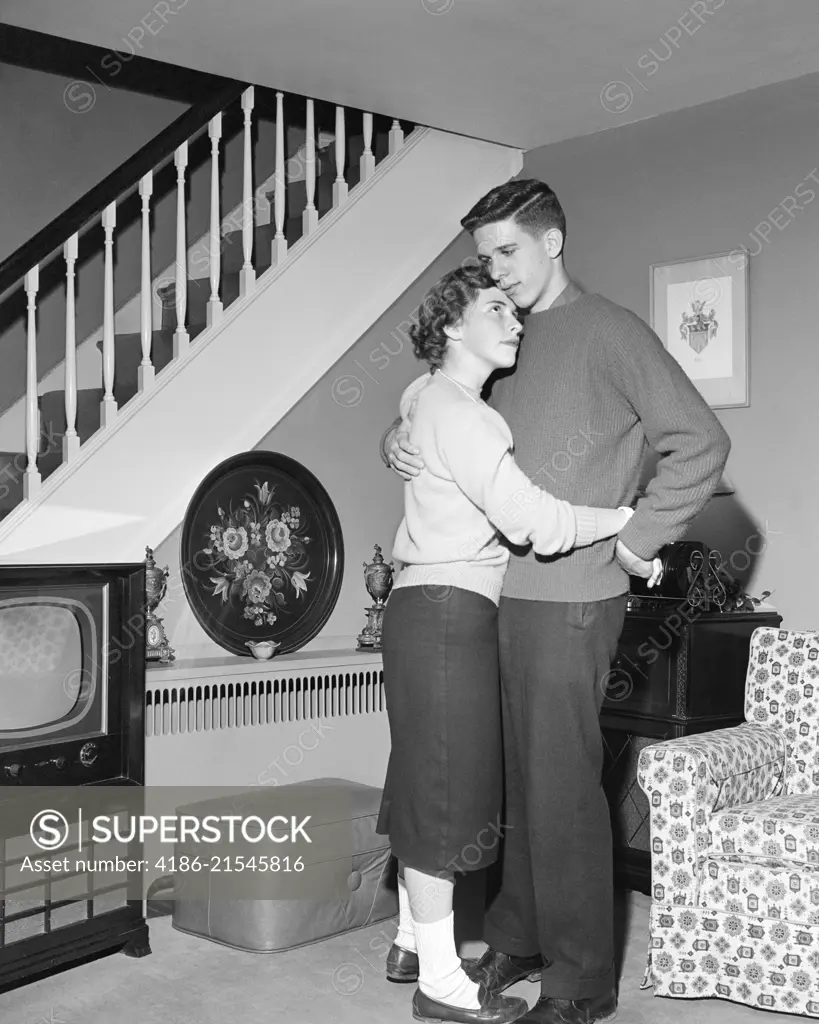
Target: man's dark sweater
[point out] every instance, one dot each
(593, 383)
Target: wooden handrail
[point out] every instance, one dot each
(125, 177)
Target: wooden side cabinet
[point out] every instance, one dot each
(677, 672)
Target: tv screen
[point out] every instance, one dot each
(53, 667)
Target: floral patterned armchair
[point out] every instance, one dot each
(735, 842)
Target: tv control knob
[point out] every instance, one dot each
(89, 754)
(60, 763)
(13, 770)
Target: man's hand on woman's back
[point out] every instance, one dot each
(403, 457)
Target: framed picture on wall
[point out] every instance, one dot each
(699, 309)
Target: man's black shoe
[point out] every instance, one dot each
(494, 1009)
(572, 1011)
(499, 970)
(402, 964)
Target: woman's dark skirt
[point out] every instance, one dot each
(442, 797)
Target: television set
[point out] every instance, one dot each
(72, 698)
(72, 674)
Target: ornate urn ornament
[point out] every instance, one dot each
(378, 581)
(157, 647)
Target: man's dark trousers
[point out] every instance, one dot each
(556, 891)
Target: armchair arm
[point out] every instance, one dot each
(686, 780)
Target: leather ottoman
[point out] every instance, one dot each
(272, 925)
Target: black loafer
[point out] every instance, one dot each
(499, 970)
(402, 965)
(494, 1009)
(595, 1010)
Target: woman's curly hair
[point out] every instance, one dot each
(444, 305)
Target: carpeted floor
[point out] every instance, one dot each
(339, 981)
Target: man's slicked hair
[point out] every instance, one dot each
(530, 203)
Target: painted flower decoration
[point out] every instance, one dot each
(300, 582)
(234, 541)
(259, 557)
(277, 535)
(257, 586)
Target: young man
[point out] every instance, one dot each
(593, 384)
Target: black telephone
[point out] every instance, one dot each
(695, 574)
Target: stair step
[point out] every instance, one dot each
(128, 356)
(52, 416)
(196, 312)
(232, 250)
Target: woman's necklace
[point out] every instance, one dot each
(459, 385)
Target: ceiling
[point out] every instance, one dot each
(521, 72)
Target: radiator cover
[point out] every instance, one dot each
(234, 721)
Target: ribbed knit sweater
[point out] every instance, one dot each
(593, 383)
(471, 488)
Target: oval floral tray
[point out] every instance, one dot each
(262, 553)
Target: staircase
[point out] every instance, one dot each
(106, 445)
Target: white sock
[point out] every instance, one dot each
(406, 932)
(440, 974)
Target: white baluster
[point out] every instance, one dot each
(247, 277)
(310, 216)
(278, 247)
(108, 405)
(340, 185)
(71, 440)
(214, 307)
(146, 373)
(31, 478)
(396, 137)
(181, 338)
(367, 162)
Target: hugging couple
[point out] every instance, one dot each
(505, 617)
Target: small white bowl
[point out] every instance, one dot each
(262, 649)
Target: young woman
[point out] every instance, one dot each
(442, 796)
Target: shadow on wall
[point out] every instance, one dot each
(726, 526)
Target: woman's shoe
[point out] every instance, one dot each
(494, 1009)
(402, 965)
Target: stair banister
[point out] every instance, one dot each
(146, 371)
(248, 274)
(64, 232)
(396, 137)
(108, 406)
(340, 190)
(71, 439)
(367, 161)
(214, 307)
(82, 213)
(279, 244)
(172, 145)
(181, 338)
(310, 216)
(31, 480)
